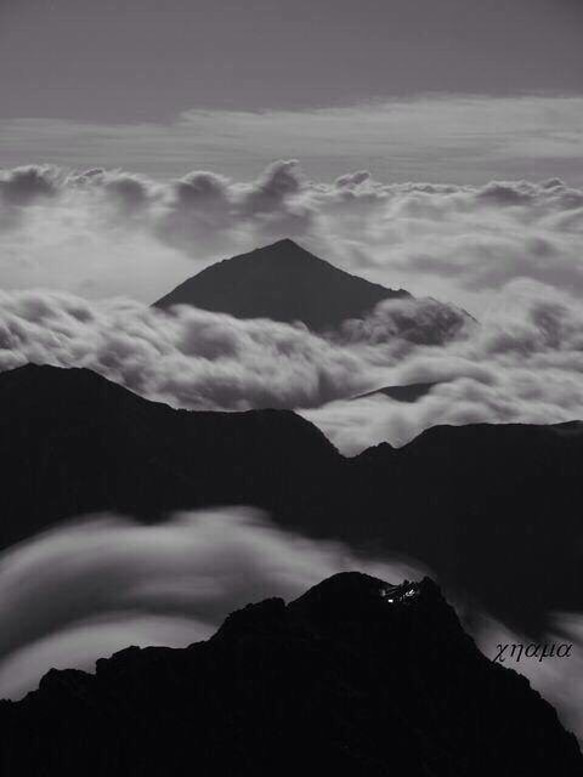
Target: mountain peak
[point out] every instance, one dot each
(345, 587)
(281, 252)
(283, 282)
(354, 597)
(285, 242)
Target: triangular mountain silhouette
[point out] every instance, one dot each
(356, 677)
(283, 282)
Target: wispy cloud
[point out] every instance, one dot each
(449, 137)
(87, 589)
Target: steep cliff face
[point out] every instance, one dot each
(355, 677)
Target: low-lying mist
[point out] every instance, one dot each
(94, 586)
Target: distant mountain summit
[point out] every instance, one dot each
(356, 677)
(283, 282)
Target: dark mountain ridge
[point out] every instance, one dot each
(355, 677)
(75, 443)
(282, 282)
(463, 500)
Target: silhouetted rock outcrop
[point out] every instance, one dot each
(409, 393)
(491, 509)
(283, 282)
(355, 677)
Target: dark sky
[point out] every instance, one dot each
(137, 60)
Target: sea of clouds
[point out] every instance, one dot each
(521, 363)
(82, 254)
(105, 233)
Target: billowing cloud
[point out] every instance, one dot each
(198, 359)
(24, 185)
(418, 322)
(89, 588)
(100, 233)
(191, 358)
(522, 363)
(511, 249)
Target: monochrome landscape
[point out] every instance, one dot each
(291, 388)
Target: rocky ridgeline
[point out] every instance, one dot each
(355, 677)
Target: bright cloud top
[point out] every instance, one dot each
(522, 363)
(191, 358)
(103, 233)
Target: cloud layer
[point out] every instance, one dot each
(198, 359)
(452, 138)
(509, 250)
(522, 363)
(102, 233)
(89, 588)
(190, 358)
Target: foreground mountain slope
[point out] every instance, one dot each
(355, 677)
(493, 510)
(283, 282)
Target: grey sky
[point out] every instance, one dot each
(456, 90)
(136, 60)
(448, 139)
